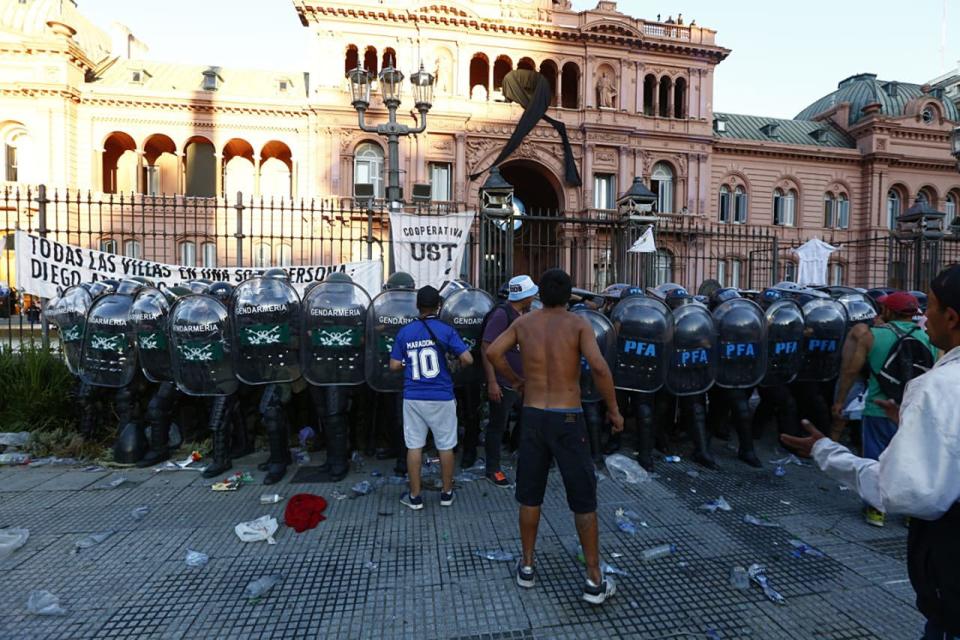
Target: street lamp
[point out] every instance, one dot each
(923, 225)
(391, 83)
(637, 203)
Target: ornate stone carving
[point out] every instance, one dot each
(442, 144)
(607, 90)
(604, 155)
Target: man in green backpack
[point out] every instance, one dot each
(894, 351)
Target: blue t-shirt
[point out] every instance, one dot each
(426, 376)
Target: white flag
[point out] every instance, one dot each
(644, 243)
(429, 248)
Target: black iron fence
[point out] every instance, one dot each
(593, 246)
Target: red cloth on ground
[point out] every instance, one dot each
(304, 511)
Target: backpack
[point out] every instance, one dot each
(907, 359)
(486, 318)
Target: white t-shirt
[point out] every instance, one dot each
(814, 255)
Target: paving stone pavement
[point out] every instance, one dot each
(374, 569)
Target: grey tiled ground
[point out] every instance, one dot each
(425, 581)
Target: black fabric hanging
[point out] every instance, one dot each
(532, 91)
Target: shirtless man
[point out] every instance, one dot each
(552, 341)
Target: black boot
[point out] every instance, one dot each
(741, 413)
(222, 431)
(279, 456)
(158, 415)
(338, 448)
(645, 436)
(697, 427)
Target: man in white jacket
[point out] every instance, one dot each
(918, 475)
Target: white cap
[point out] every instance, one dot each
(521, 288)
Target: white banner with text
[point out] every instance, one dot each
(45, 265)
(430, 248)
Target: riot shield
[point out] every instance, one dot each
(644, 329)
(265, 322)
(332, 345)
(109, 358)
(607, 341)
(69, 313)
(200, 348)
(148, 318)
(825, 328)
(692, 352)
(388, 313)
(465, 310)
(742, 338)
(784, 343)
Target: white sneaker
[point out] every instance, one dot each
(598, 594)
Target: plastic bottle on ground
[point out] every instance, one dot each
(660, 551)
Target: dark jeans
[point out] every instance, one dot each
(933, 632)
(499, 415)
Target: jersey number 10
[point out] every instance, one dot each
(424, 363)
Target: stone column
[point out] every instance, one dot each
(588, 175)
(588, 90)
(656, 97)
(622, 101)
(334, 173)
(96, 172)
(671, 96)
(182, 173)
(638, 72)
(460, 169)
(140, 181)
(256, 175)
(218, 172)
(624, 179)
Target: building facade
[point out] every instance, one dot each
(83, 108)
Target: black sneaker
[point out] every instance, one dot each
(526, 576)
(446, 499)
(414, 503)
(499, 479)
(597, 594)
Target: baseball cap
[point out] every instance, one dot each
(428, 298)
(900, 302)
(521, 288)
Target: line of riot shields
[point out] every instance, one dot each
(235, 356)
(223, 350)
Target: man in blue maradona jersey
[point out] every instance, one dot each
(428, 402)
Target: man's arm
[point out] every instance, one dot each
(855, 351)
(396, 365)
(497, 354)
(601, 374)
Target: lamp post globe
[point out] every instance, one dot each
(359, 87)
(422, 82)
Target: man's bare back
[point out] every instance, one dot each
(552, 341)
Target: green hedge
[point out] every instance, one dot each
(35, 391)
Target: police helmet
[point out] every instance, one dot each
(276, 272)
(220, 290)
(399, 280)
(719, 296)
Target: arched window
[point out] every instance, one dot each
(570, 86)
(662, 267)
(950, 207)
(351, 59)
(724, 206)
(389, 58)
(664, 97)
(16, 152)
(649, 93)
(894, 205)
(131, 249)
(548, 69)
(680, 98)
(501, 67)
(188, 254)
(784, 208)
(740, 205)
(262, 255)
(526, 63)
(789, 271)
(661, 183)
(209, 250)
(370, 60)
(479, 76)
(108, 246)
(284, 255)
(368, 167)
(927, 195)
(201, 168)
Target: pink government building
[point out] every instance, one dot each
(84, 108)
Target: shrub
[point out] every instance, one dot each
(35, 391)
